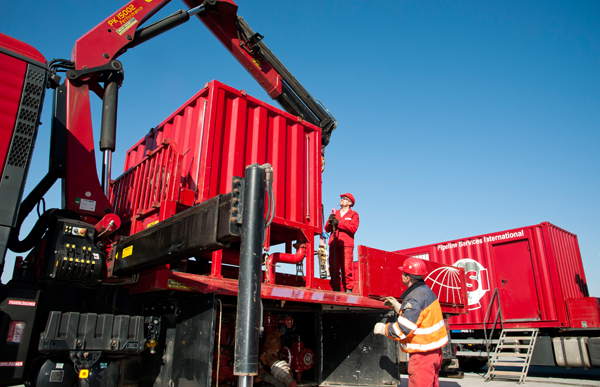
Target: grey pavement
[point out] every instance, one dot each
(537, 377)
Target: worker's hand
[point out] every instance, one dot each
(392, 303)
(379, 329)
(333, 220)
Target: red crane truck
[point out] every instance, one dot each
(156, 278)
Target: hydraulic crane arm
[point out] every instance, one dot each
(121, 31)
(94, 61)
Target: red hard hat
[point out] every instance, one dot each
(414, 266)
(349, 196)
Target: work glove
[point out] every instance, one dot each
(392, 303)
(379, 329)
(333, 220)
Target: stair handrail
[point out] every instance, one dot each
(488, 341)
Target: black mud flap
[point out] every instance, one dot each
(353, 354)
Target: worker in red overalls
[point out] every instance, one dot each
(342, 224)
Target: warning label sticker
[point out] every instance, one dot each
(86, 204)
(21, 303)
(172, 284)
(127, 251)
(11, 364)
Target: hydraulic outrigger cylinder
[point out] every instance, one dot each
(248, 308)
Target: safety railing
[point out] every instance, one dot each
(488, 339)
(152, 181)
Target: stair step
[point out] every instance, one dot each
(508, 364)
(473, 341)
(520, 330)
(472, 353)
(512, 339)
(510, 354)
(518, 346)
(506, 373)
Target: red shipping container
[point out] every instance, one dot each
(536, 270)
(196, 151)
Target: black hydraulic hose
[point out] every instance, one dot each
(38, 230)
(270, 195)
(250, 274)
(25, 209)
(56, 171)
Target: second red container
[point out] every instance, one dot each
(536, 269)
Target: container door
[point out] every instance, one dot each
(516, 281)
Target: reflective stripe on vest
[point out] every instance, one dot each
(398, 332)
(407, 323)
(429, 330)
(425, 347)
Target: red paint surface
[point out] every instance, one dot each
(584, 312)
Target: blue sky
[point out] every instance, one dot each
(455, 119)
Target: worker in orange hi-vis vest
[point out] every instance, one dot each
(420, 327)
(342, 224)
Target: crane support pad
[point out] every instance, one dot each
(192, 232)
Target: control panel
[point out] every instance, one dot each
(75, 256)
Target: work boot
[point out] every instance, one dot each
(348, 290)
(335, 289)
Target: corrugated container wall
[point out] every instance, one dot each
(220, 131)
(536, 269)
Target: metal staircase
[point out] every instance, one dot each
(514, 349)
